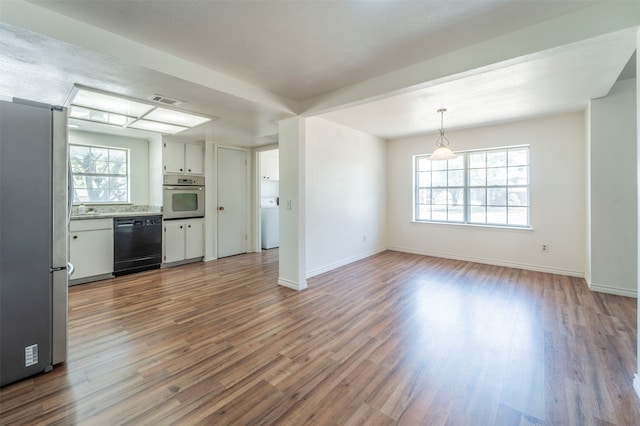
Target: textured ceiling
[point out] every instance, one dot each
(383, 67)
(300, 49)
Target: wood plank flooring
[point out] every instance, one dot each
(392, 339)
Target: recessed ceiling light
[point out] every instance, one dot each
(156, 126)
(109, 103)
(101, 107)
(176, 117)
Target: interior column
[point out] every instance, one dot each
(292, 203)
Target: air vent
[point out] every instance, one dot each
(165, 100)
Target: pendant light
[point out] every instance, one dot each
(442, 151)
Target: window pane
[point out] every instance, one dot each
(477, 160)
(424, 179)
(99, 154)
(118, 168)
(79, 182)
(478, 215)
(477, 177)
(455, 214)
(456, 197)
(81, 195)
(477, 197)
(439, 178)
(518, 175)
(518, 197)
(497, 215)
(497, 176)
(424, 196)
(519, 157)
(518, 216)
(98, 195)
(439, 213)
(117, 156)
(101, 167)
(456, 163)
(496, 158)
(497, 196)
(424, 213)
(456, 178)
(439, 196)
(424, 164)
(438, 165)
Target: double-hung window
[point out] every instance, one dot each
(100, 174)
(487, 187)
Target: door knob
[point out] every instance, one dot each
(220, 208)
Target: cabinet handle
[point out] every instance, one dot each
(75, 237)
(220, 208)
(181, 170)
(189, 169)
(180, 226)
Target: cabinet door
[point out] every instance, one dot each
(194, 239)
(194, 163)
(173, 241)
(91, 253)
(173, 157)
(270, 167)
(275, 168)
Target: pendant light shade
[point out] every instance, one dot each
(442, 151)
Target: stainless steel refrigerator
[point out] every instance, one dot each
(33, 238)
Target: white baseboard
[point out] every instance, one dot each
(209, 258)
(507, 264)
(636, 384)
(292, 285)
(343, 262)
(612, 290)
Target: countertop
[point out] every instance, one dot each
(111, 215)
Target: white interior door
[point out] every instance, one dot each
(232, 202)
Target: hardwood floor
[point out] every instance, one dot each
(393, 339)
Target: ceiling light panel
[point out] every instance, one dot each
(103, 102)
(155, 126)
(176, 117)
(89, 114)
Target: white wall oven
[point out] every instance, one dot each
(183, 197)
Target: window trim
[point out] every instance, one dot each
(467, 191)
(128, 173)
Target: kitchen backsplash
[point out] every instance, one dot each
(120, 208)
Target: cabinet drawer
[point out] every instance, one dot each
(90, 224)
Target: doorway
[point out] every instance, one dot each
(269, 181)
(232, 201)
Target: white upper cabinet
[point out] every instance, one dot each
(193, 156)
(186, 158)
(270, 166)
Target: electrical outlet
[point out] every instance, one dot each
(545, 248)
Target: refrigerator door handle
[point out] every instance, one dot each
(58, 268)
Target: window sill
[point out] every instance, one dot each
(475, 225)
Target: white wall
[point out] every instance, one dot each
(557, 151)
(345, 186)
(292, 145)
(139, 161)
(613, 191)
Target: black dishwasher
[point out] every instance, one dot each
(137, 244)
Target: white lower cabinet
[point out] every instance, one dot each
(183, 240)
(90, 249)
